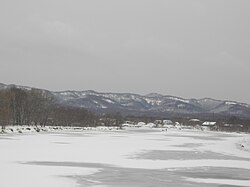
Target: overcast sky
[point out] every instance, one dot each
(186, 48)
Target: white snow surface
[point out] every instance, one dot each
(209, 123)
(104, 146)
(230, 103)
(153, 101)
(221, 181)
(179, 99)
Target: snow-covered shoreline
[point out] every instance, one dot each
(243, 144)
(16, 129)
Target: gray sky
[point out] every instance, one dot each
(186, 48)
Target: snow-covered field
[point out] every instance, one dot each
(132, 157)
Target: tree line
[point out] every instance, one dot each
(39, 107)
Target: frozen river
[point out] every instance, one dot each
(132, 157)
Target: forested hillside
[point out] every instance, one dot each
(38, 107)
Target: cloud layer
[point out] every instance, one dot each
(185, 48)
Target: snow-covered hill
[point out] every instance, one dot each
(151, 104)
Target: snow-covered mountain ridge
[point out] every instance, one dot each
(153, 103)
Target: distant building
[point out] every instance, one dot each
(195, 120)
(167, 122)
(208, 125)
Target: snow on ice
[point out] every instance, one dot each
(62, 156)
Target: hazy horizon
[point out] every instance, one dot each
(189, 49)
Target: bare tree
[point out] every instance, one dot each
(5, 110)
